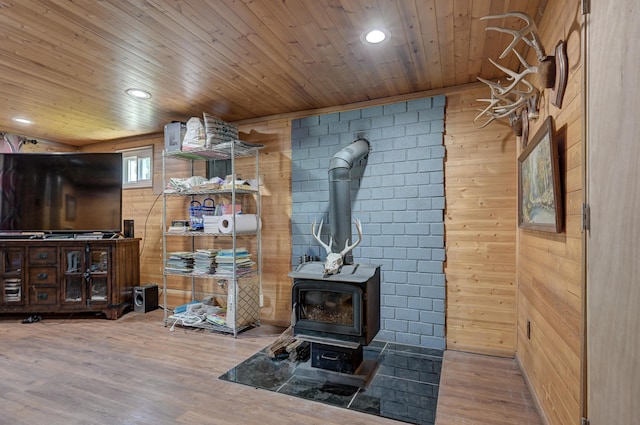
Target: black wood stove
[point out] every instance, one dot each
(336, 305)
(338, 314)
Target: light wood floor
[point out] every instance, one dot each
(135, 371)
(477, 389)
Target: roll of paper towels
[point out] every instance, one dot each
(245, 223)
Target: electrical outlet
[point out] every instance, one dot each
(528, 329)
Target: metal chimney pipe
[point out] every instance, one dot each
(340, 193)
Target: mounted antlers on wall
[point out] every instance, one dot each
(518, 101)
(11, 143)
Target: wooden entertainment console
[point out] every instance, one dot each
(68, 275)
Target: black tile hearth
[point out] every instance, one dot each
(404, 385)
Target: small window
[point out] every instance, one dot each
(137, 167)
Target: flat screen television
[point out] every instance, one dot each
(61, 192)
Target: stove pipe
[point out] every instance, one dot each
(340, 193)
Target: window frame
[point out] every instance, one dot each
(139, 153)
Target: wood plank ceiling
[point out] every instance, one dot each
(65, 64)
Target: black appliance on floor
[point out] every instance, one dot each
(338, 314)
(145, 298)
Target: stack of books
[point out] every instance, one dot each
(224, 261)
(180, 262)
(205, 261)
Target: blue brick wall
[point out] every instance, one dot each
(398, 195)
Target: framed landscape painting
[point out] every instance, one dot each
(539, 198)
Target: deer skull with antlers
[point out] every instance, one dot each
(335, 260)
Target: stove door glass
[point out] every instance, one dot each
(323, 306)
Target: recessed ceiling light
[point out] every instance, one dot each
(23, 121)
(138, 94)
(376, 36)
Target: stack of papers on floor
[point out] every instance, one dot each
(205, 261)
(180, 262)
(199, 316)
(217, 318)
(225, 258)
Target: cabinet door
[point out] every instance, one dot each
(73, 282)
(99, 260)
(11, 279)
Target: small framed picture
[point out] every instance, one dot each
(539, 197)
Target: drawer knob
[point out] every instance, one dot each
(42, 255)
(43, 296)
(43, 276)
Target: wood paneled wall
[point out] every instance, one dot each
(275, 176)
(45, 146)
(549, 265)
(480, 229)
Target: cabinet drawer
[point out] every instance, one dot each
(42, 276)
(43, 295)
(43, 255)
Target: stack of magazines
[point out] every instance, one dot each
(205, 261)
(180, 262)
(224, 261)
